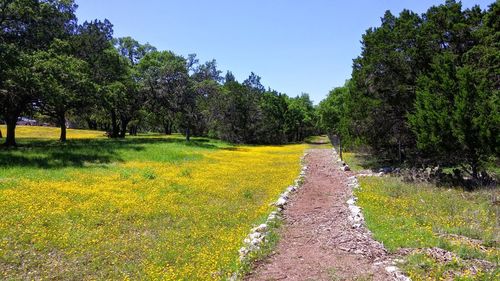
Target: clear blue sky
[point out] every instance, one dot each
(294, 45)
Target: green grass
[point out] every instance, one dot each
(360, 161)
(423, 267)
(33, 158)
(403, 215)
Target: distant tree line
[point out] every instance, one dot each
(56, 68)
(425, 89)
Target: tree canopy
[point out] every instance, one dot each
(425, 89)
(79, 74)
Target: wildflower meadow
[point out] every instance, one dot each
(151, 207)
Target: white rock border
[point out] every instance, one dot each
(357, 219)
(258, 235)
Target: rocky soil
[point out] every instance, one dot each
(318, 240)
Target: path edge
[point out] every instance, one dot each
(357, 219)
(258, 236)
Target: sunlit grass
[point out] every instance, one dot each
(35, 132)
(403, 215)
(141, 208)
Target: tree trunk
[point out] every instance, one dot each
(133, 130)
(475, 171)
(114, 125)
(123, 130)
(188, 134)
(11, 131)
(62, 123)
(167, 126)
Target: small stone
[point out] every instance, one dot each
(358, 252)
(357, 219)
(243, 251)
(391, 269)
(256, 241)
(261, 228)
(285, 194)
(281, 202)
(354, 209)
(254, 235)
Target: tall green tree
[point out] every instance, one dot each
(385, 77)
(26, 27)
(384, 83)
(117, 90)
(332, 110)
(456, 118)
(63, 83)
(272, 127)
(166, 79)
(299, 118)
(133, 100)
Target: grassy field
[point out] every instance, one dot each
(34, 132)
(142, 208)
(419, 217)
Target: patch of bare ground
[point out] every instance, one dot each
(317, 240)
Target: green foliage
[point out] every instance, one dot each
(62, 71)
(63, 83)
(424, 89)
(27, 26)
(456, 118)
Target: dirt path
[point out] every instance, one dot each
(317, 239)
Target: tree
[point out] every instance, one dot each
(16, 90)
(165, 78)
(300, 118)
(240, 114)
(456, 118)
(385, 77)
(331, 110)
(133, 100)
(63, 83)
(207, 71)
(27, 26)
(206, 79)
(383, 83)
(271, 129)
(229, 77)
(118, 95)
(253, 83)
(132, 49)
